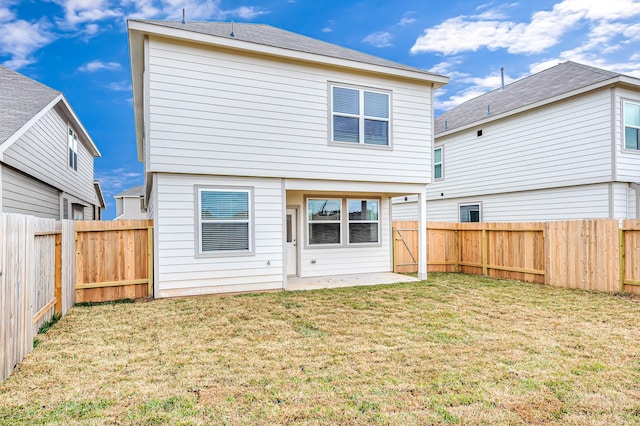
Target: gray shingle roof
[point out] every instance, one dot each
(136, 191)
(276, 37)
(20, 99)
(555, 81)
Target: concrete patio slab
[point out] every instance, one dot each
(350, 280)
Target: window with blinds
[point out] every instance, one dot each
(364, 223)
(360, 116)
(631, 126)
(72, 144)
(324, 218)
(224, 220)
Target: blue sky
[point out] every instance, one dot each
(80, 48)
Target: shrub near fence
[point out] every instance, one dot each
(585, 254)
(36, 280)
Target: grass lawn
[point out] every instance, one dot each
(453, 349)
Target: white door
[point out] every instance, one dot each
(292, 241)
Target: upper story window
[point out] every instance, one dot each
(224, 220)
(631, 125)
(438, 163)
(360, 116)
(72, 143)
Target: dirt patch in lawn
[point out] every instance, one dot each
(453, 349)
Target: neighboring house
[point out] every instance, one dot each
(268, 154)
(130, 204)
(558, 145)
(46, 155)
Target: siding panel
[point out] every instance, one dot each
(22, 194)
(251, 116)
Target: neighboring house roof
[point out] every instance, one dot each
(99, 193)
(258, 39)
(24, 101)
(136, 191)
(558, 82)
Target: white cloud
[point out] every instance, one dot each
(493, 31)
(120, 86)
(476, 86)
(96, 65)
(379, 39)
(327, 30)
(406, 21)
(6, 14)
(20, 39)
(194, 10)
(80, 11)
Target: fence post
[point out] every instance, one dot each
(485, 249)
(58, 273)
(456, 249)
(395, 255)
(621, 255)
(150, 261)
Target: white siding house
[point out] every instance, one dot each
(268, 154)
(46, 155)
(551, 146)
(130, 204)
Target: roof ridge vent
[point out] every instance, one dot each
(233, 34)
(183, 16)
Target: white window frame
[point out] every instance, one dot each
(460, 206)
(360, 116)
(72, 149)
(441, 163)
(349, 222)
(199, 221)
(625, 125)
(311, 222)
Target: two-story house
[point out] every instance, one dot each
(268, 154)
(46, 155)
(558, 145)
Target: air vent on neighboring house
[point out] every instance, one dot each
(65, 208)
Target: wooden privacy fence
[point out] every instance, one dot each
(36, 280)
(586, 254)
(114, 260)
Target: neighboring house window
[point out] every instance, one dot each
(364, 223)
(359, 116)
(324, 217)
(470, 213)
(224, 220)
(78, 211)
(65, 208)
(631, 125)
(73, 149)
(438, 164)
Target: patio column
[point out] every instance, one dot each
(422, 234)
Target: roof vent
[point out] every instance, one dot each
(488, 109)
(233, 34)
(502, 77)
(446, 125)
(183, 16)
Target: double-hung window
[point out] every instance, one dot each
(324, 218)
(72, 143)
(438, 163)
(224, 219)
(631, 125)
(364, 223)
(360, 116)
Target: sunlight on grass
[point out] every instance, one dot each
(455, 349)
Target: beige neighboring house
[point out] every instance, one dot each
(46, 155)
(271, 155)
(130, 204)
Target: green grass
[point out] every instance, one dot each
(455, 349)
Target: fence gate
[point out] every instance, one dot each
(405, 247)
